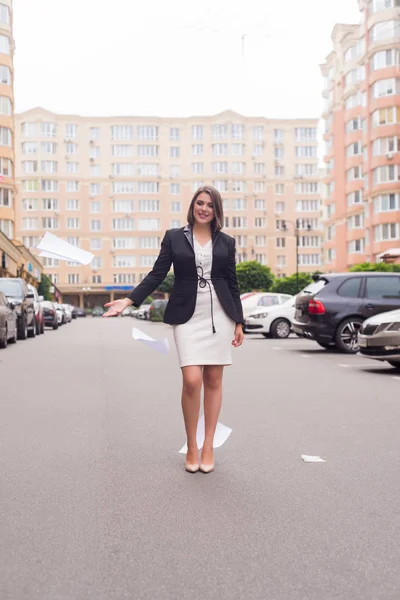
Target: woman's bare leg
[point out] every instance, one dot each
(212, 380)
(191, 389)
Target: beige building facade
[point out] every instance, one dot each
(362, 136)
(113, 185)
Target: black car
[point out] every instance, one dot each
(8, 322)
(21, 299)
(50, 314)
(332, 308)
(78, 312)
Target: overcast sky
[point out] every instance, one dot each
(174, 57)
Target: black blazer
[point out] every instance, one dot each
(177, 249)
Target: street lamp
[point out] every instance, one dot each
(296, 228)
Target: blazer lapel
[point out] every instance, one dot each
(187, 230)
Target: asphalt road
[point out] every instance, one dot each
(95, 502)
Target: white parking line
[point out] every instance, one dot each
(345, 366)
(394, 377)
(305, 355)
(277, 348)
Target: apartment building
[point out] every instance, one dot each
(113, 185)
(361, 194)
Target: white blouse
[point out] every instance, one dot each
(203, 256)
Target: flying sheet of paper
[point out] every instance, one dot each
(54, 247)
(222, 432)
(312, 459)
(161, 346)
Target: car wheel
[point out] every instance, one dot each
(266, 335)
(32, 330)
(3, 343)
(37, 327)
(22, 329)
(394, 364)
(55, 326)
(280, 329)
(42, 327)
(346, 337)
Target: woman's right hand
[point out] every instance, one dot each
(116, 307)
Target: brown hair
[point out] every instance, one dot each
(218, 221)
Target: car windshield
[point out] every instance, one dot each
(10, 288)
(314, 287)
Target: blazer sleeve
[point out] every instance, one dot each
(157, 274)
(233, 282)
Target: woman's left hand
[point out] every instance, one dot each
(239, 336)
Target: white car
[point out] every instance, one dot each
(68, 312)
(272, 321)
(61, 316)
(142, 312)
(379, 338)
(252, 301)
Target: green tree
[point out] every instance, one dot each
(44, 287)
(167, 285)
(288, 285)
(382, 267)
(253, 276)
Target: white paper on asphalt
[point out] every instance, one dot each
(161, 346)
(222, 432)
(53, 246)
(312, 459)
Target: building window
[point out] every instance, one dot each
(198, 167)
(237, 149)
(309, 241)
(49, 185)
(4, 45)
(220, 149)
(95, 225)
(71, 130)
(124, 278)
(5, 136)
(72, 186)
(48, 129)
(196, 185)
(94, 152)
(387, 203)
(385, 30)
(122, 261)
(279, 207)
(280, 261)
(239, 204)
(30, 185)
(174, 134)
(5, 197)
(124, 243)
(72, 223)
(123, 150)
(259, 204)
(220, 184)
(148, 224)
(260, 240)
(259, 187)
(385, 58)
(258, 168)
(386, 174)
(95, 207)
(279, 153)
(72, 204)
(148, 187)
(238, 168)
(149, 205)
(238, 186)
(308, 205)
(307, 170)
(125, 206)
(175, 207)
(147, 132)
(5, 106)
(49, 223)
(258, 132)
(122, 132)
(307, 188)
(121, 169)
(49, 166)
(94, 134)
(95, 243)
(280, 242)
(388, 145)
(96, 278)
(95, 170)
(5, 75)
(198, 149)
(356, 246)
(304, 134)
(220, 167)
(174, 152)
(220, 131)
(260, 222)
(125, 224)
(148, 169)
(386, 116)
(28, 241)
(354, 198)
(388, 231)
(239, 222)
(147, 261)
(28, 204)
(379, 5)
(279, 135)
(123, 187)
(197, 132)
(279, 171)
(149, 243)
(29, 166)
(237, 132)
(306, 151)
(241, 241)
(385, 87)
(50, 204)
(307, 260)
(72, 167)
(175, 223)
(174, 171)
(258, 150)
(73, 278)
(29, 148)
(70, 148)
(147, 150)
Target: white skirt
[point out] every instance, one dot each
(195, 341)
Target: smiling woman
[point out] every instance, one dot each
(204, 309)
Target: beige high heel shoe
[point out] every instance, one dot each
(192, 468)
(206, 468)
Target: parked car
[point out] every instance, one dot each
(98, 311)
(61, 316)
(37, 301)
(332, 309)
(157, 310)
(254, 300)
(379, 338)
(68, 312)
(272, 321)
(78, 312)
(50, 314)
(143, 312)
(8, 322)
(21, 299)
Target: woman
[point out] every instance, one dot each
(205, 310)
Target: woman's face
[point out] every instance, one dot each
(203, 210)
